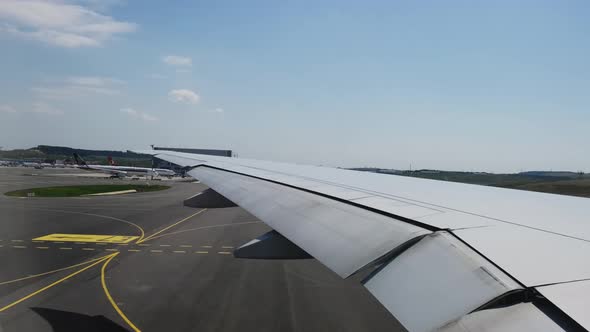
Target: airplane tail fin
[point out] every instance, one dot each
(79, 160)
(111, 161)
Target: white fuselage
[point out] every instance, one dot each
(129, 170)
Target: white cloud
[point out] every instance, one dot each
(7, 109)
(93, 80)
(102, 5)
(139, 115)
(177, 60)
(80, 86)
(59, 23)
(217, 110)
(156, 76)
(45, 109)
(184, 96)
(36, 107)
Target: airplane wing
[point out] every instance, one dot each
(439, 255)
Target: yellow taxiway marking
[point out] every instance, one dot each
(51, 285)
(142, 233)
(52, 271)
(169, 249)
(174, 224)
(108, 294)
(226, 247)
(144, 245)
(59, 238)
(17, 240)
(206, 227)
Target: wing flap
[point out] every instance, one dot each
(516, 318)
(436, 281)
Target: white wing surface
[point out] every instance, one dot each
(444, 256)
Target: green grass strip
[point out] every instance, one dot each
(74, 191)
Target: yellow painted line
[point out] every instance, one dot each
(206, 227)
(179, 252)
(226, 247)
(111, 250)
(42, 247)
(164, 245)
(87, 248)
(19, 247)
(142, 233)
(17, 240)
(52, 271)
(108, 294)
(201, 252)
(206, 247)
(60, 238)
(156, 251)
(224, 252)
(144, 245)
(103, 244)
(185, 246)
(80, 242)
(49, 286)
(65, 248)
(123, 244)
(133, 250)
(174, 224)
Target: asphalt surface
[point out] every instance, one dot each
(181, 276)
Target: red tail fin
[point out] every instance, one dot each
(111, 162)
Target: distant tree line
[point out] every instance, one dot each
(66, 151)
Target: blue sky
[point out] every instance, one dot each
(464, 85)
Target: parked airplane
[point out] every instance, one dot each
(440, 256)
(35, 165)
(122, 171)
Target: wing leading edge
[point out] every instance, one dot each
(445, 256)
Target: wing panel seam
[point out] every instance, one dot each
(341, 200)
